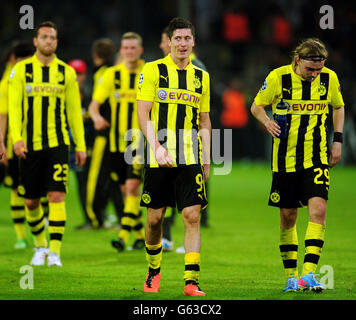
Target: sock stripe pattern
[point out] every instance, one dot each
(56, 225)
(17, 209)
(289, 250)
(154, 255)
(35, 220)
(131, 219)
(314, 241)
(192, 267)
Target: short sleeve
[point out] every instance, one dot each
(205, 98)
(336, 98)
(147, 83)
(267, 93)
(104, 86)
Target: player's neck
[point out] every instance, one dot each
(181, 63)
(132, 66)
(46, 60)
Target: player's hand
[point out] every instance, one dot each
(80, 158)
(206, 168)
(335, 153)
(20, 149)
(163, 157)
(273, 128)
(3, 156)
(100, 123)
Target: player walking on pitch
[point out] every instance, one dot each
(301, 160)
(43, 96)
(173, 104)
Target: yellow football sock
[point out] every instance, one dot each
(314, 241)
(154, 255)
(288, 247)
(17, 209)
(57, 220)
(36, 222)
(129, 219)
(192, 266)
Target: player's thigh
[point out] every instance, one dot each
(158, 187)
(190, 187)
(315, 182)
(57, 169)
(284, 191)
(32, 175)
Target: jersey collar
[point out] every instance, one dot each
(35, 58)
(169, 61)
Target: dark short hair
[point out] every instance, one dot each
(48, 24)
(23, 49)
(104, 48)
(179, 23)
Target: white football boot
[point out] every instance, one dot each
(39, 257)
(53, 259)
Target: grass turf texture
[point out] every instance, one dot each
(240, 257)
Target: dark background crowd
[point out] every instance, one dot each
(239, 41)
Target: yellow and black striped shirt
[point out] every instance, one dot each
(306, 144)
(42, 100)
(120, 86)
(4, 110)
(178, 96)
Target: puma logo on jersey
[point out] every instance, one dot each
(165, 78)
(29, 75)
(289, 91)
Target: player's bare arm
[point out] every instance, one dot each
(336, 147)
(205, 134)
(161, 154)
(100, 123)
(3, 126)
(260, 114)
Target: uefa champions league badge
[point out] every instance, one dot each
(162, 95)
(141, 79)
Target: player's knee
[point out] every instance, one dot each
(288, 218)
(317, 213)
(154, 220)
(132, 187)
(191, 216)
(32, 204)
(56, 196)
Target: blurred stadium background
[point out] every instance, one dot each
(239, 41)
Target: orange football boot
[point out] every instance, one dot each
(192, 289)
(152, 282)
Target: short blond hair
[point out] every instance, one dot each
(132, 35)
(312, 49)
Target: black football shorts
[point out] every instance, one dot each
(121, 171)
(44, 171)
(183, 186)
(12, 173)
(294, 189)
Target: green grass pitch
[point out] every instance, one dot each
(240, 258)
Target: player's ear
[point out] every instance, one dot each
(34, 41)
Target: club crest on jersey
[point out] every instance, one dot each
(60, 77)
(197, 83)
(162, 94)
(322, 89)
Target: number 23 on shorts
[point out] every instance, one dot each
(61, 172)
